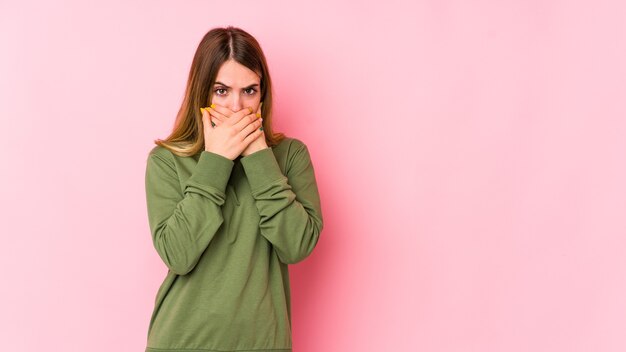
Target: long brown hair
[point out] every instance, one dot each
(216, 47)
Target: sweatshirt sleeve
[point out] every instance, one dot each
(288, 205)
(183, 222)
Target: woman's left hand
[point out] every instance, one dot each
(219, 113)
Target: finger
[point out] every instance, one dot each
(259, 113)
(222, 110)
(216, 113)
(205, 117)
(215, 121)
(253, 136)
(245, 121)
(251, 127)
(243, 116)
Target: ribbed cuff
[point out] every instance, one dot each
(212, 170)
(261, 168)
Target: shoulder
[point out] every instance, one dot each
(289, 149)
(293, 153)
(160, 152)
(161, 155)
(290, 146)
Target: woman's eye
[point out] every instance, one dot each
(220, 89)
(251, 91)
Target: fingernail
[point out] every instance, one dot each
(250, 108)
(261, 128)
(258, 114)
(212, 106)
(201, 110)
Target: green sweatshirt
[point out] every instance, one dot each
(227, 230)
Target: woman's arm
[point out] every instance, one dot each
(182, 224)
(289, 205)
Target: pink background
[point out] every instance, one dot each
(470, 156)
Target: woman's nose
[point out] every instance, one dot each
(236, 104)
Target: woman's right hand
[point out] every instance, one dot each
(232, 136)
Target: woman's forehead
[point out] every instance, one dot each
(234, 74)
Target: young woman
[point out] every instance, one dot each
(230, 204)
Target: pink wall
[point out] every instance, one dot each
(470, 156)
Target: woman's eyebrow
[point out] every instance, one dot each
(250, 86)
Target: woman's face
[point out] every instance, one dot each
(236, 87)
